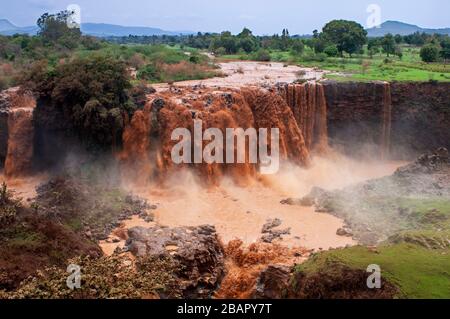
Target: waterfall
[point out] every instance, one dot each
(308, 104)
(147, 142)
(20, 142)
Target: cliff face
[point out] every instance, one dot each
(364, 118)
(421, 116)
(377, 119)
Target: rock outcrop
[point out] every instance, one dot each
(378, 209)
(273, 282)
(405, 118)
(197, 249)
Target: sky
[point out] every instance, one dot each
(261, 16)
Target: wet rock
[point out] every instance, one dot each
(272, 282)
(118, 250)
(270, 234)
(158, 104)
(149, 218)
(344, 232)
(426, 163)
(275, 234)
(271, 223)
(228, 98)
(305, 201)
(197, 249)
(369, 239)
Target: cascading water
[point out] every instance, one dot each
(147, 148)
(309, 107)
(19, 155)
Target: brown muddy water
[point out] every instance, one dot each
(240, 212)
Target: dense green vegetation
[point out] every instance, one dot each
(416, 261)
(341, 47)
(417, 271)
(56, 44)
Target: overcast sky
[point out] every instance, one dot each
(262, 16)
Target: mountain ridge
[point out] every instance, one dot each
(115, 30)
(94, 29)
(397, 27)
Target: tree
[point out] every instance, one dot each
(348, 36)
(398, 39)
(429, 53)
(388, 44)
(373, 46)
(298, 47)
(319, 45)
(315, 34)
(54, 28)
(445, 51)
(245, 33)
(91, 94)
(228, 42)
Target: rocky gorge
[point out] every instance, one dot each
(171, 258)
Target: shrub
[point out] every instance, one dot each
(298, 47)
(136, 61)
(319, 57)
(331, 50)
(8, 206)
(262, 55)
(150, 73)
(429, 53)
(185, 71)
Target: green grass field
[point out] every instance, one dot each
(363, 67)
(417, 272)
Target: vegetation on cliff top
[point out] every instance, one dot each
(418, 272)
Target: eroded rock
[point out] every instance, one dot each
(197, 249)
(272, 283)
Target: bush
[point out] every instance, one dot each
(319, 57)
(8, 206)
(331, 50)
(429, 53)
(262, 55)
(298, 47)
(89, 92)
(150, 73)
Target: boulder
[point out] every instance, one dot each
(272, 283)
(197, 249)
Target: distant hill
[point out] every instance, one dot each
(396, 27)
(6, 25)
(108, 30)
(94, 29)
